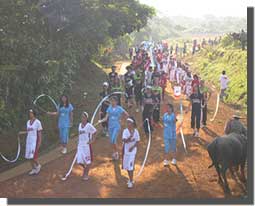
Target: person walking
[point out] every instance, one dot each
(33, 141)
(169, 121)
(65, 120)
(84, 149)
(113, 115)
(130, 138)
(195, 107)
(223, 85)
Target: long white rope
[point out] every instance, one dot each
(49, 97)
(147, 150)
(181, 132)
(217, 107)
(92, 121)
(19, 147)
(101, 102)
(17, 155)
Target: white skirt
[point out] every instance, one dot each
(30, 147)
(172, 75)
(84, 154)
(188, 90)
(128, 162)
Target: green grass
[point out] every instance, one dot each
(211, 61)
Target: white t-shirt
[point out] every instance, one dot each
(136, 138)
(224, 81)
(148, 77)
(33, 128)
(85, 133)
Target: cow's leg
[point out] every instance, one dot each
(242, 178)
(231, 169)
(236, 168)
(218, 171)
(225, 185)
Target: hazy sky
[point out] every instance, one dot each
(197, 8)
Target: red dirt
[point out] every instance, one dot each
(191, 178)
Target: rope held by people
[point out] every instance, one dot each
(147, 150)
(181, 132)
(92, 121)
(217, 107)
(49, 97)
(17, 155)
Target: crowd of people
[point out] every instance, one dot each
(144, 85)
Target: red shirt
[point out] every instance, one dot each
(195, 82)
(163, 81)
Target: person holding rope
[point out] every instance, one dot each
(33, 141)
(104, 107)
(148, 99)
(84, 149)
(130, 138)
(195, 107)
(169, 121)
(114, 114)
(65, 120)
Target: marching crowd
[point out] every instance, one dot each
(144, 85)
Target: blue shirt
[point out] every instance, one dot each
(64, 116)
(169, 121)
(114, 115)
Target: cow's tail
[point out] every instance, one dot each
(212, 151)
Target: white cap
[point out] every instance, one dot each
(130, 120)
(86, 114)
(105, 84)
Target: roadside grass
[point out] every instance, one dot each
(89, 79)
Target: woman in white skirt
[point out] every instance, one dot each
(84, 149)
(33, 141)
(130, 137)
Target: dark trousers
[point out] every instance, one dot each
(156, 113)
(204, 116)
(195, 118)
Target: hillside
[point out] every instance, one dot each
(211, 61)
(163, 27)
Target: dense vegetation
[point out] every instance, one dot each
(43, 43)
(212, 60)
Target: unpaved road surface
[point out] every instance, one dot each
(191, 178)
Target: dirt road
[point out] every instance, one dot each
(191, 178)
